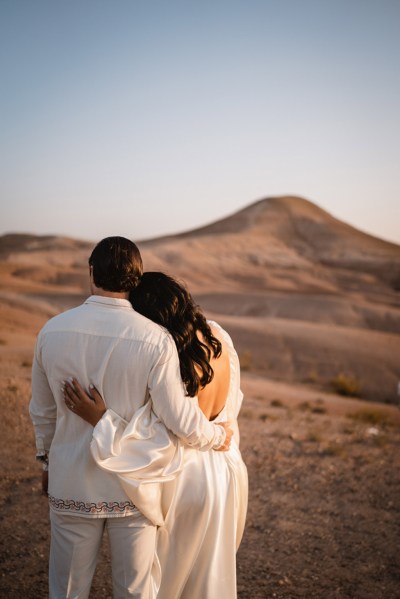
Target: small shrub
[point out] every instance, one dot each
(369, 416)
(313, 437)
(246, 360)
(348, 430)
(277, 403)
(246, 413)
(333, 450)
(346, 385)
(312, 377)
(318, 410)
(263, 417)
(3, 342)
(304, 406)
(26, 364)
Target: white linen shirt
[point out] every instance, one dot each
(127, 357)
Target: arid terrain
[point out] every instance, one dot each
(313, 306)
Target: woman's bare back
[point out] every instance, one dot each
(212, 397)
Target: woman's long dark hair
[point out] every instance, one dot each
(168, 303)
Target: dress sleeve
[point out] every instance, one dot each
(144, 456)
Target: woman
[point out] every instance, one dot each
(205, 504)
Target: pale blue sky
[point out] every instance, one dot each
(142, 118)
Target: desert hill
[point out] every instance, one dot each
(287, 233)
(305, 296)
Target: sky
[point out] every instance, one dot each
(142, 118)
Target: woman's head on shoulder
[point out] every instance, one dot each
(163, 299)
(166, 301)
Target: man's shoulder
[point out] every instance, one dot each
(62, 317)
(122, 324)
(149, 328)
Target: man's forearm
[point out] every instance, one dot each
(44, 433)
(42, 408)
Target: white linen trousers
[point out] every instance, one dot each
(74, 547)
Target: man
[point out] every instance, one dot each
(127, 357)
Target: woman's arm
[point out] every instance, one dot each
(92, 407)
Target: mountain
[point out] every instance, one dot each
(280, 247)
(304, 295)
(283, 235)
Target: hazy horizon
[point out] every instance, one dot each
(172, 233)
(149, 118)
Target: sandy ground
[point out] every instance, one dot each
(323, 517)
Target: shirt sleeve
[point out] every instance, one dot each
(180, 415)
(42, 407)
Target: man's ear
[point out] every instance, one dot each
(91, 280)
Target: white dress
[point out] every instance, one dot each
(197, 498)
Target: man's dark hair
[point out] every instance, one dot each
(117, 264)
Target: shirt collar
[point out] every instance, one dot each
(109, 301)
